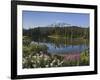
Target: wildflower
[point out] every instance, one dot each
(38, 61)
(41, 52)
(41, 55)
(34, 65)
(34, 56)
(32, 61)
(45, 59)
(54, 61)
(46, 65)
(51, 64)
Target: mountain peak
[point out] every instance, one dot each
(59, 24)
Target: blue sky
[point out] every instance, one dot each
(31, 19)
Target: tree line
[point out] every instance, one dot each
(68, 32)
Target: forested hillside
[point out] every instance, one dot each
(64, 32)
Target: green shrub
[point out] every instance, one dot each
(84, 59)
(26, 40)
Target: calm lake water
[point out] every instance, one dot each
(63, 46)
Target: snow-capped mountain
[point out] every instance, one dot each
(59, 25)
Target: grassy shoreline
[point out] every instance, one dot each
(64, 37)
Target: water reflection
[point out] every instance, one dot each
(61, 45)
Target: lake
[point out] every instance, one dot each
(62, 46)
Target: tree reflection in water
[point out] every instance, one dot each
(62, 45)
